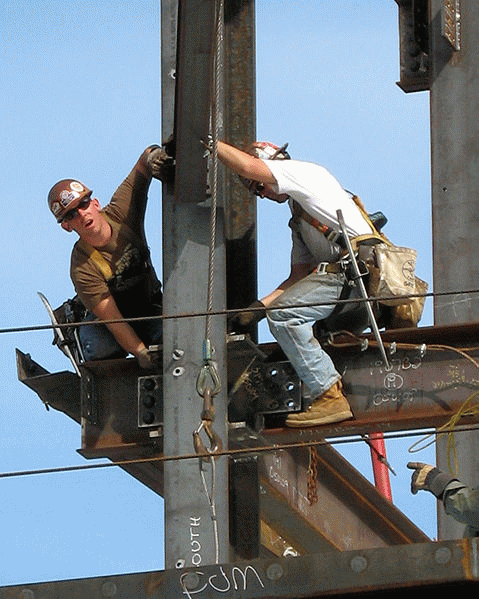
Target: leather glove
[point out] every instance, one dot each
(144, 359)
(242, 321)
(161, 165)
(428, 478)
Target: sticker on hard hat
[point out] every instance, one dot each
(66, 197)
(76, 186)
(56, 208)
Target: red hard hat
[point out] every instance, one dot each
(268, 151)
(66, 195)
(264, 150)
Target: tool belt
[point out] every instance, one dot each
(343, 266)
(330, 267)
(374, 251)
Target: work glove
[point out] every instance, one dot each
(161, 165)
(242, 321)
(428, 478)
(144, 359)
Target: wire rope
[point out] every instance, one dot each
(260, 449)
(33, 328)
(209, 365)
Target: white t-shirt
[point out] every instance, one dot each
(320, 194)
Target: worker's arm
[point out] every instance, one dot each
(256, 311)
(107, 309)
(462, 503)
(141, 165)
(244, 165)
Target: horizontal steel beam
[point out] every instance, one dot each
(432, 373)
(343, 495)
(369, 519)
(429, 566)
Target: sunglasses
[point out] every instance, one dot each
(71, 214)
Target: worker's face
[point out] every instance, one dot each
(86, 218)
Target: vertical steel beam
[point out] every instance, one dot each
(240, 131)
(193, 535)
(455, 187)
(240, 228)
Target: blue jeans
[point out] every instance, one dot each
(292, 327)
(98, 343)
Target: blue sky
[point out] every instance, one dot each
(80, 97)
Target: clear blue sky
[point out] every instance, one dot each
(80, 97)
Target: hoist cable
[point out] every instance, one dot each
(215, 117)
(209, 368)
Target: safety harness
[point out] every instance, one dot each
(119, 286)
(330, 234)
(336, 236)
(96, 257)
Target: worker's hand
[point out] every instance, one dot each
(144, 358)
(161, 165)
(419, 476)
(428, 478)
(242, 321)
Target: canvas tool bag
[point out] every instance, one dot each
(392, 278)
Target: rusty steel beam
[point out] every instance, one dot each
(433, 372)
(436, 379)
(343, 495)
(307, 523)
(60, 390)
(115, 435)
(422, 567)
(427, 383)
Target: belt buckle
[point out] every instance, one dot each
(333, 236)
(321, 269)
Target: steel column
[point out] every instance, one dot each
(194, 535)
(455, 187)
(240, 131)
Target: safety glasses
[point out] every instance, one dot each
(71, 214)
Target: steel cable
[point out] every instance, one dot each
(229, 452)
(32, 328)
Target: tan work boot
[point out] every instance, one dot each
(331, 406)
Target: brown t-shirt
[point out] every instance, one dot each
(125, 213)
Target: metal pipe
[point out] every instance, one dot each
(380, 468)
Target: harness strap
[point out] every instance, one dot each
(330, 233)
(101, 263)
(299, 212)
(97, 258)
(375, 235)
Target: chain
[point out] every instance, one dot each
(313, 475)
